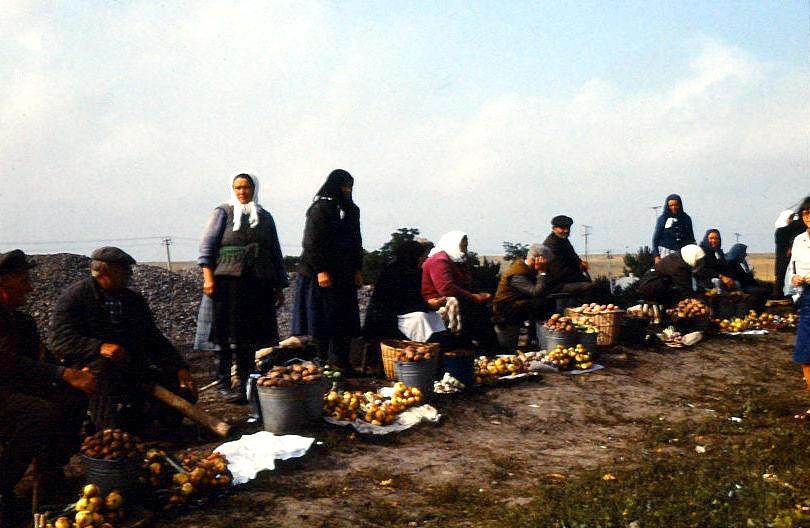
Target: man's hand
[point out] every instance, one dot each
(657, 259)
(324, 279)
(728, 282)
(437, 302)
(481, 298)
(113, 351)
(185, 381)
(80, 379)
(583, 264)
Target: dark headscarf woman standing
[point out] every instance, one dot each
(673, 230)
(329, 273)
(243, 272)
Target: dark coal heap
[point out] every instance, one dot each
(174, 297)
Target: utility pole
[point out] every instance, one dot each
(655, 209)
(738, 235)
(586, 234)
(609, 255)
(167, 241)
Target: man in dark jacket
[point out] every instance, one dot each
(522, 288)
(41, 403)
(101, 324)
(567, 273)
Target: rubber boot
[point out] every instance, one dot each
(224, 370)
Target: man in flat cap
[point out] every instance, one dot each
(101, 324)
(42, 404)
(567, 273)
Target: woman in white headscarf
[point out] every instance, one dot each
(243, 273)
(445, 274)
(671, 279)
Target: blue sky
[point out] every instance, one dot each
(126, 120)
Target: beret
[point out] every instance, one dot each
(14, 261)
(562, 221)
(113, 255)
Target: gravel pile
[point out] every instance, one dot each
(174, 297)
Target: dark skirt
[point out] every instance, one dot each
(325, 312)
(244, 312)
(801, 352)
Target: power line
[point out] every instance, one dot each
(43, 242)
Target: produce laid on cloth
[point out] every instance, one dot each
(392, 410)
(752, 321)
(448, 385)
(194, 478)
(113, 444)
(568, 358)
(672, 338)
(488, 370)
(289, 375)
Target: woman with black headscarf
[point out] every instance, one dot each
(325, 305)
(243, 274)
(673, 230)
(714, 273)
(398, 291)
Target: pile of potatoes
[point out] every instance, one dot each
(690, 308)
(560, 323)
(113, 444)
(286, 376)
(593, 308)
(414, 353)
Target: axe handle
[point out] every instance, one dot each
(190, 411)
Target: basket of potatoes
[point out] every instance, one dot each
(391, 349)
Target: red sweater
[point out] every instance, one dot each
(441, 277)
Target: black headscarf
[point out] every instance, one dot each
(667, 212)
(705, 242)
(331, 188)
(408, 253)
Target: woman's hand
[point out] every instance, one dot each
(208, 281)
(324, 279)
(481, 298)
(437, 302)
(657, 259)
(798, 280)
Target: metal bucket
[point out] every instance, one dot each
(550, 339)
(588, 342)
(314, 401)
(419, 374)
(108, 475)
(284, 409)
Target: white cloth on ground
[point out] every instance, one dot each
(259, 451)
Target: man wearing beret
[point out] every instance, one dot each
(42, 404)
(567, 273)
(101, 324)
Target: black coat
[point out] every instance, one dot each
(564, 266)
(331, 243)
(669, 281)
(20, 367)
(81, 322)
(398, 291)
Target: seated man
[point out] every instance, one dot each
(567, 273)
(521, 295)
(41, 403)
(101, 324)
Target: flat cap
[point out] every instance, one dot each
(113, 255)
(15, 261)
(562, 221)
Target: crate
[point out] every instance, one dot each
(607, 323)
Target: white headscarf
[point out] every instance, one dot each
(782, 219)
(251, 208)
(449, 243)
(692, 254)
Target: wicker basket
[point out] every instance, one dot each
(607, 323)
(390, 347)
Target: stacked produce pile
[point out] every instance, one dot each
(689, 309)
(594, 309)
(568, 358)
(195, 478)
(113, 444)
(559, 323)
(94, 510)
(286, 376)
(753, 321)
(414, 353)
(369, 406)
(488, 370)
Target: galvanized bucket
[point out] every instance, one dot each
(419, 374)
(284, 409)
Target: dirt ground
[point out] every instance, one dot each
(500, 441)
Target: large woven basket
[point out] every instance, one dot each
(390, 347)
(608, 324)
